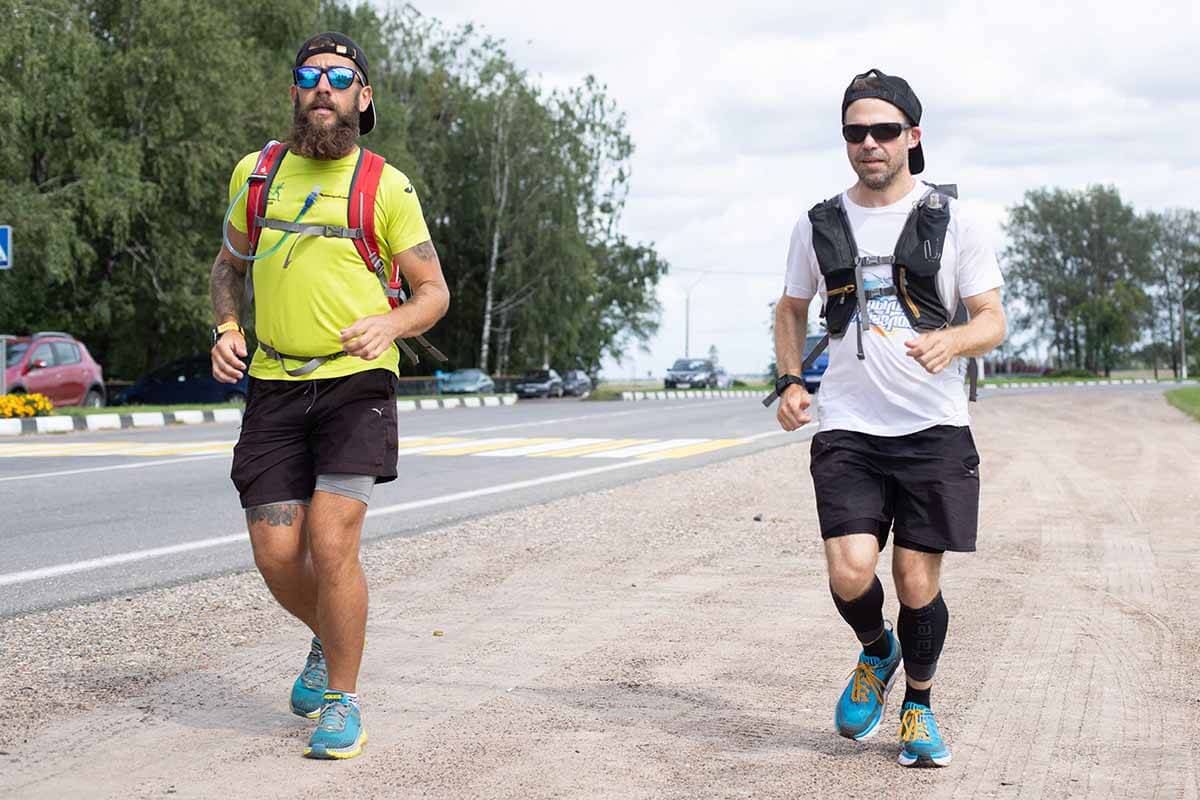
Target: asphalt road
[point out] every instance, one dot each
(93, 515)
(669, 638)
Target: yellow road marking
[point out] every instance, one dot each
(407, 445)
(584, 449)
(113, 449)
(469, 449)
(693, 449)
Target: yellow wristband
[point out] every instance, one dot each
(232, 325)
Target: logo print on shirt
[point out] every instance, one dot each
(887, 317)
(276, 189)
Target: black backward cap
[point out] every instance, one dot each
(896, 91)
(342, 45)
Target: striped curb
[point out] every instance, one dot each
(159, 419)
(708, 394)
(1106, 382)
(723, 393)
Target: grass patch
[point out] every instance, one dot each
(603, 393)
(1186, 400)
(71, 411)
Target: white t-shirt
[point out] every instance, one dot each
(889, 393)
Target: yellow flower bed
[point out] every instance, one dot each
(24, 405)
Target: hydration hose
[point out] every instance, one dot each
(308, 203)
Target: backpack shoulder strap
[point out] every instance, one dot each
(260, 180)
(949, 189)
(360, 213)
(364, 186)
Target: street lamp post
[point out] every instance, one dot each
(687, 318)
(1183, 339)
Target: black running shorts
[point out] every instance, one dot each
(924, 487)
(293, 431)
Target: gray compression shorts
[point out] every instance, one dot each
(356, 487)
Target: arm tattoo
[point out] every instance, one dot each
(278, 514)
(424, 251)
(227, 285)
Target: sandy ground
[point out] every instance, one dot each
(654, 641)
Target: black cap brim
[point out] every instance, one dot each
(366, 120)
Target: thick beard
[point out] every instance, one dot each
(324, 142)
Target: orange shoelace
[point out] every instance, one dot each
(912, 726)
(865, 682)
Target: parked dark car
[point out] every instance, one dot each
(186, 380)
(539, 383)
(56, 365)
(687, 373)
(576, 383)
(468, 381)
(812, 375)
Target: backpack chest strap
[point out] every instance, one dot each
(304, 229)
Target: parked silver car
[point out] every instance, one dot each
(468, 381)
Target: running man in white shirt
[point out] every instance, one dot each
(891, 259)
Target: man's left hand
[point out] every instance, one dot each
(933, 350)
(370, 337)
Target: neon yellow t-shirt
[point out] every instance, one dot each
(313, 287)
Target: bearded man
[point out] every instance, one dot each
(319, 429)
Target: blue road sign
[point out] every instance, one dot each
(5, 247)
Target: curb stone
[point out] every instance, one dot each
(710, 394)
(1106, 382)
(707, 394)
(158, 419)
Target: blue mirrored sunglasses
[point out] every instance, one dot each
(339, 77)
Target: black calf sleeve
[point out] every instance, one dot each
(922, 632)
(863, 613)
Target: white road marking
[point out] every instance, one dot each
(656, 409)
(545, 447)
(110, 467)
(88, 565)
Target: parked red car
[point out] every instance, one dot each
(54, 364)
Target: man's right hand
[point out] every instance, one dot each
(793, 407)
(227, 355)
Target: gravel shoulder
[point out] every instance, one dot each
(655, 640)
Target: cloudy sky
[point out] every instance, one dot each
(734, 110)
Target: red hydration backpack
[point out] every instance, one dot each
(360, 227)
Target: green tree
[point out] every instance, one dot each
(1176, 257)
(1080, 261)
(121, 120)
(124, 120)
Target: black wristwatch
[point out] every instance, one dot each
(781, 383)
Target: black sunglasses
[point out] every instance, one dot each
(880, 132)
(339, 77)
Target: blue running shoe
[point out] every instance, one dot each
(921, 743)
(340, 733)
(309, 689)
(861, 706)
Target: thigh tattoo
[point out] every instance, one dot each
(282, 514)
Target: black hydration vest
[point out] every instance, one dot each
(915, 262)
